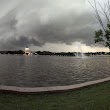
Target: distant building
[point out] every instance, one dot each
(27, 51)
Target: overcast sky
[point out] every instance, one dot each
(53, 25)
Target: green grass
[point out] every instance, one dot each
(96, 97)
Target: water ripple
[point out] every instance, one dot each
(38, 71)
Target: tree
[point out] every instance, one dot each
(102, 13)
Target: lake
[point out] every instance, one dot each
(39, 71)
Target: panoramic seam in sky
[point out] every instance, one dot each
(47, 24)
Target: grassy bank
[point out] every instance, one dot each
(96, 97)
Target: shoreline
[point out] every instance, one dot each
(51, 89)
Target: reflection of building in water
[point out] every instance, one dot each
(27, 51)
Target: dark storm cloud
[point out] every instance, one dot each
(68, 30)
(50, 23)
(19, 43)
(23, 41)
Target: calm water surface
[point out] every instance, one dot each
(38, 71)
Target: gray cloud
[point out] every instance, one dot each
(38, 22)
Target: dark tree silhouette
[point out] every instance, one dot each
(102, 13)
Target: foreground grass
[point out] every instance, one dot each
(96, 97)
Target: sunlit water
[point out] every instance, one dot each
(38, 71)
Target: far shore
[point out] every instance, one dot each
(45, 53)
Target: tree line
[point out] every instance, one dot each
(21, 52)
(70, 53)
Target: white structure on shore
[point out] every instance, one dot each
(27, 51)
